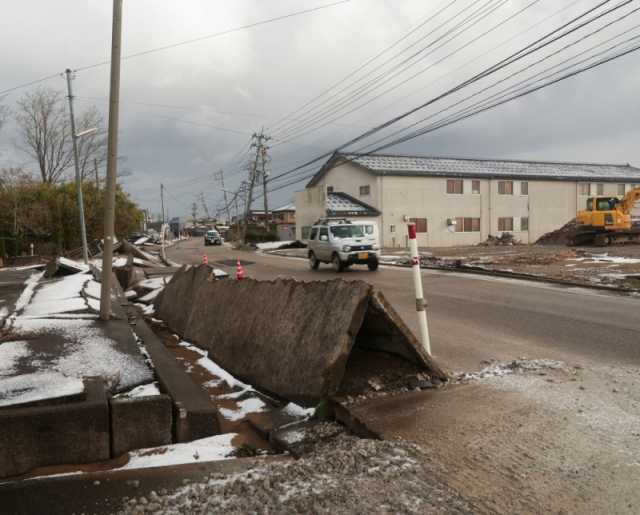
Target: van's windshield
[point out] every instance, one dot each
(346, 231)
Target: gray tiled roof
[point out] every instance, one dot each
(338, 202)
(456, 167)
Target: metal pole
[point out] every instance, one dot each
(74, 139)
(264, 189)
(421, 303)
(112, 163)
(95, 169)
(162, 200)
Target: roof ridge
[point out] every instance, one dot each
(526, 161)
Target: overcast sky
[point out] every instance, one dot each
(212, 94)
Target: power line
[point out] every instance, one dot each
(533, 47)
(181, 43)
(217, 34)
(404, 81)
(492, 5)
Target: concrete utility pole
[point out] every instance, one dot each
(264, 187)
(220, 176)
(162, 200)
(258, 144)
(421, 303)
(74, 139)
(112, 163)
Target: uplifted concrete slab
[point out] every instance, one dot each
(292, 339)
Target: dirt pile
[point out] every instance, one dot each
(562, 236)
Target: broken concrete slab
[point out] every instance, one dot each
(194, 416)
(140, 422)
(75, 432)
(64, 266)
(291, 339)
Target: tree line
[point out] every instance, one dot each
(39, 206)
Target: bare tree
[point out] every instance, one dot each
(45, 132)
(92, 149)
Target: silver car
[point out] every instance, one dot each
(342, 244)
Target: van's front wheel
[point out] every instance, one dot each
(338, 265)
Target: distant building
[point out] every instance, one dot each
(456, 201)
(285, 219)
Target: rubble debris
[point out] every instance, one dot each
(516, 366)
(63, 266)
(253, 328)
(506, 238)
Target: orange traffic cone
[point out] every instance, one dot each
(239, 271)
(205, 259)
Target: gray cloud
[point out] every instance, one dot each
(249, 79)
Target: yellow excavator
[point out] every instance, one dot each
(607, 220)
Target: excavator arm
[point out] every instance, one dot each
(629, 200)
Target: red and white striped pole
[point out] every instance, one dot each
(421, 303)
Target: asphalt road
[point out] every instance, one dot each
(476, 318)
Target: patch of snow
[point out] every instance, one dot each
(10, 354)
(141, 241)
(88, 351)
(66, 287)
(94, 304)
(38, 386)
(52, 307)
(146, 309)
(155, 283)
(130, 294)
(119, 262)
(220, 273)
(4, 313)
(245, 406)
(144, 390)
(606, 258)
(513, 367)
(92, 289)
(272, 245)
(298, 411)
(213, 448)
(150, 297)
(220, 372)
(27, 293)
(20, 268)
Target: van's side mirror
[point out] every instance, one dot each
(324, 238)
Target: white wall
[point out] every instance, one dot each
(548, 205)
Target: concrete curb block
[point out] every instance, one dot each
(55, 435)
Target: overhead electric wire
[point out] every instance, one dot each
(274, 126)
(520, 54)
(412, 77)
(480, 13)
(181, 43)
(528, 67)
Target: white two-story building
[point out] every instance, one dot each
(456, 201)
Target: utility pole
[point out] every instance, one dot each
(264, 187)
(258, 144)
(74, 139)
(112, 163)
(95, 169)
(162, 200)
(220, 176)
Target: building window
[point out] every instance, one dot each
(455, 186)
(421, 224)
(365, 190)
(584, 188)
(621, 189)
(505, 187)
(505, 224)
(524, 223)
(329, 189)
(392, 228)
(467, 224)
(600, 189)
(475, 186)
(524, 188)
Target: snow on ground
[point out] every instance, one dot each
(150, 297)
(215, 369)
(298, 411)
(213, 448)
(10, 354)
(37, 386)
(27, 293)
(156, 282)
(87, 351)
(4, 313)
(119, 262)
(141, 241)
(606, 258)
(245, 406)
(146, 309)
(144, 390)
(272, 245)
